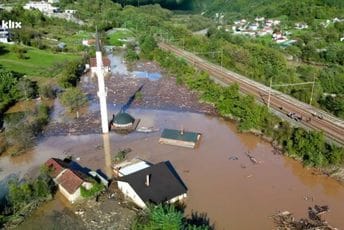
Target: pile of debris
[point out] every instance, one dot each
(285, 220)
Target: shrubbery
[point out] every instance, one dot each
(167, 217)
(92, 192)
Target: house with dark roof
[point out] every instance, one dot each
(179, 138)
(70, 179)
(123, 122)
(156, 184)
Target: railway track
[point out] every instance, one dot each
(312, 117)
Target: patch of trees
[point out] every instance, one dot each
(14, 87)
(70, 74)
(22, 128)
(24, 196)
(306, 10)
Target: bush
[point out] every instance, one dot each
(168, 217)
(47, 91)
(92, 192)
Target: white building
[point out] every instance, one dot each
(155, 184)
(42, 6)
(4, 35)
(70, 180)
(128, 167)
(301, 26)
(259, 19)
(70, 11)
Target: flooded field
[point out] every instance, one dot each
(222, 181)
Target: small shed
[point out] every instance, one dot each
(179, 138)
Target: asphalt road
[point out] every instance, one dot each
(311, 117)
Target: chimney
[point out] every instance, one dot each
(148, 177)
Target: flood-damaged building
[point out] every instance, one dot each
(156, 184)
(123, 122)
(180, 138)
(128, 167)
(70, 180)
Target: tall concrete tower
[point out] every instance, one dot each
(101, 86)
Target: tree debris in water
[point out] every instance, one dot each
(252, 158)
(285, 220)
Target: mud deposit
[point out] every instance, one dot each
(222, 181)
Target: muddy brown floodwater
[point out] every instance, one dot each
(222, 181)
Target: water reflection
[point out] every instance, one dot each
(107, 152)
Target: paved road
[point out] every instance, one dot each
(312, 117)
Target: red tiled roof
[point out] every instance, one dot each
(56, 166)
(106, 62)
(91, 41)
(70, 181)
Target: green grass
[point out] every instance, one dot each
(37, 62)
(114, 38)
(76, 38)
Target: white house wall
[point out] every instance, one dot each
(71, 197)
(177, 198)
(177, 142)
(128, 191)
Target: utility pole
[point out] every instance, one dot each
(269, 97)
(311, 99)
(221, 60)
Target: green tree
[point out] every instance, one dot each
(73, 98)
(71, 74)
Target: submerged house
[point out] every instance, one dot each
(155, 184)
(123, 122)
(70, 180)
(179, 138)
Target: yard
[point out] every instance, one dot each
(35, 63)
(114, 38)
